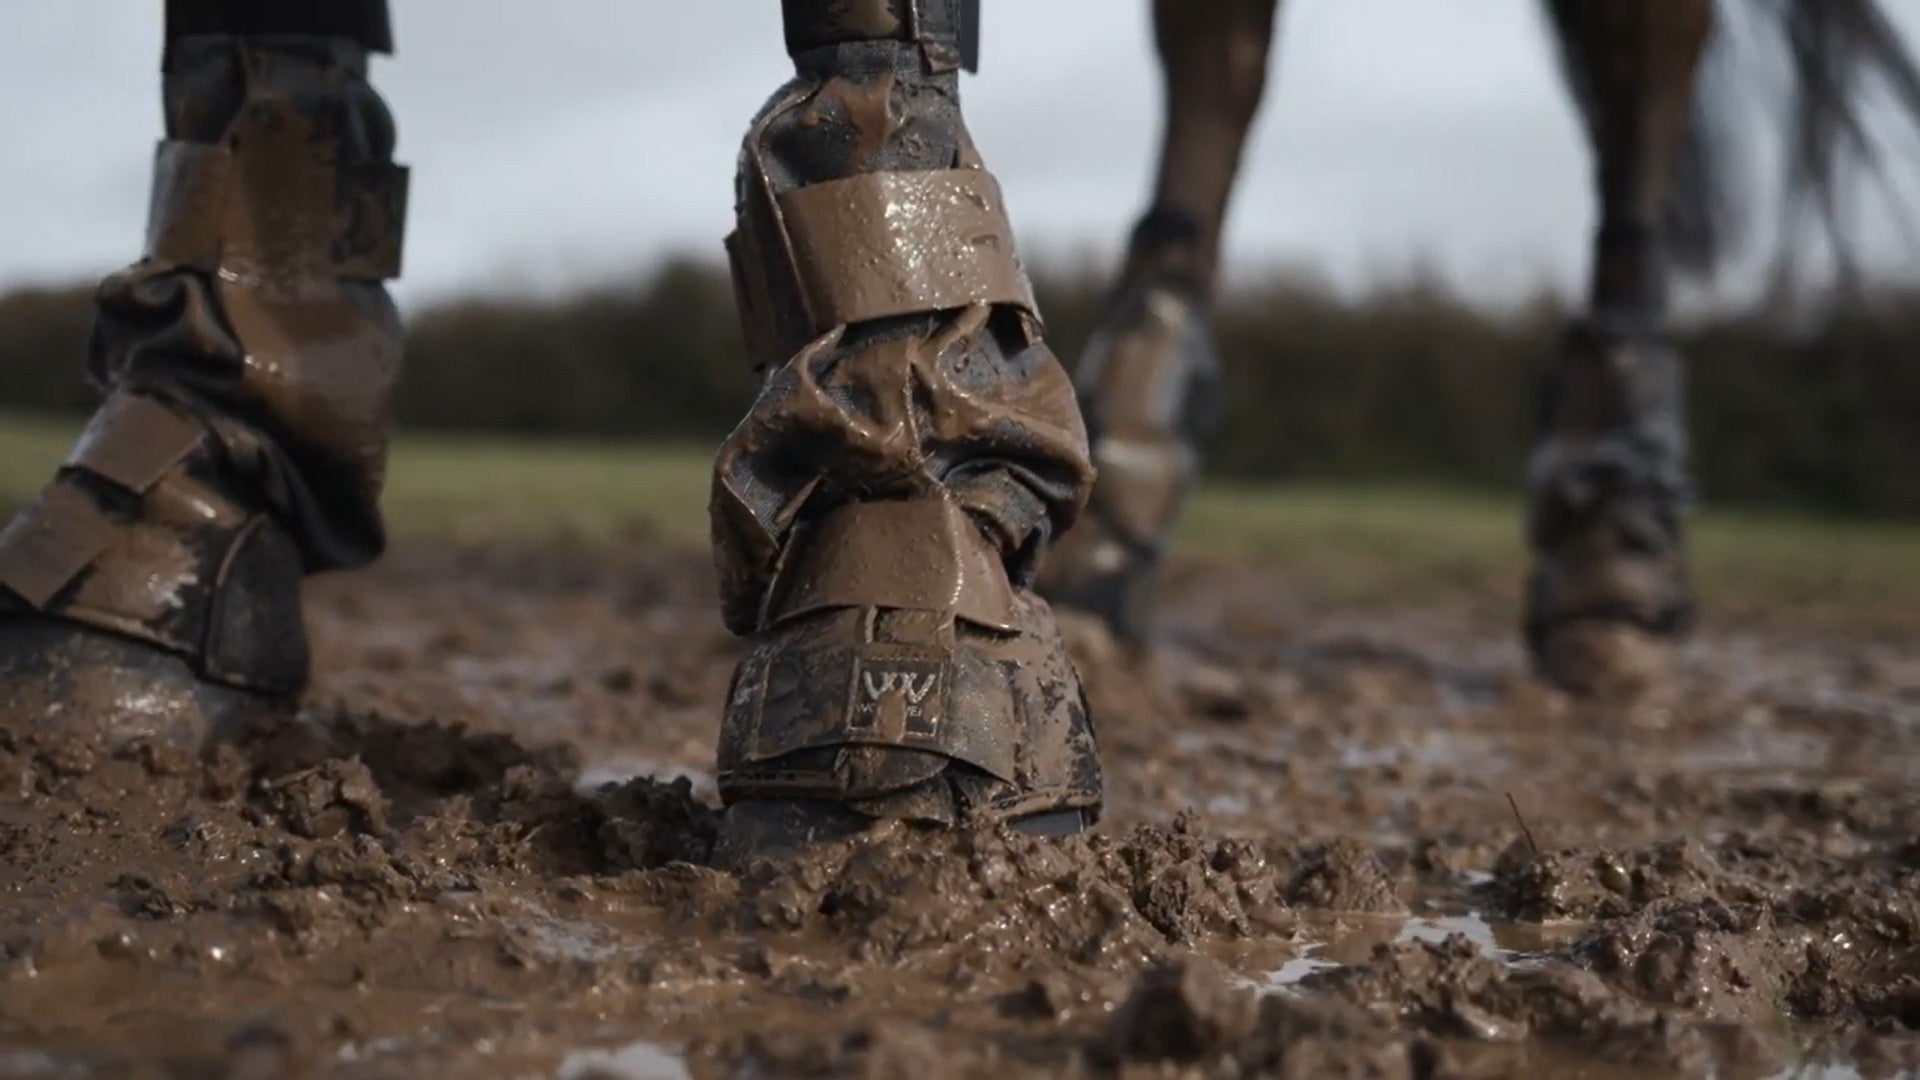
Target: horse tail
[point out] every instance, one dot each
(1705, 219)
(1839, 52)
(1838, 55)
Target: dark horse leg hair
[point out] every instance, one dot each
(1213, 62)
(1837, 54)
(1837, 51)
(1631, 65)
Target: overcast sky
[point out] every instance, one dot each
(570, 141)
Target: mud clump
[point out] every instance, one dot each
(1186, 1013)
(1343, 876)
(327, 800)
(1737, 931)
(1536, 887)
(995, 895)
(643, 824)
(1706, 957)
(1474, 1008)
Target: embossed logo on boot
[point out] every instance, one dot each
(898, 699)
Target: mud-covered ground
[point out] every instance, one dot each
(1338, 842)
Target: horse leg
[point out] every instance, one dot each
(1213, 61)
(246, 364)
(1608, 479)
(1147, 379)
(878, 515)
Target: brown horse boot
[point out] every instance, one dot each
(151, 593)
(1149, 388)
(878, 515)
(1609, 492)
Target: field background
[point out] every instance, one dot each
(1348, 541)
(1791, 407)
(1371, 444)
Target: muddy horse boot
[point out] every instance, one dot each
(1148, 380)
(151, 593)
(1607, 483)
(879, 513)
(1608, 493)
(1148, 385)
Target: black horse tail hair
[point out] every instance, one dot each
(1841, 59)
(1839, 53)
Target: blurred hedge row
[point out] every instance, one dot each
(1409, 382)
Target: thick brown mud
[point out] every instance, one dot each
(1338, 843)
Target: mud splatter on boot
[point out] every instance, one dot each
(141, 602)
(1608, 593)
(1149, 388)
(152, 591)
(879, 514)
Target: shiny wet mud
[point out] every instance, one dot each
(1337, 841)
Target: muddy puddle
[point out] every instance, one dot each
(1338, 843)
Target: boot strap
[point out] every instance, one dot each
(915, 555)
(813, 697)
(161, 577)
(132, 442)
(268, 214)
(868, 247)
(50, 542)
(895, 675)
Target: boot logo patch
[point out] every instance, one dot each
(898, 699)
(880, 683)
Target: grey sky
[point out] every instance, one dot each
(572, 140)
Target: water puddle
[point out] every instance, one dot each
(1327, 942)
(34, 1064)
(1433, 748)
(620, 770)
(1818, 1071)
(1752, 748)
(1470, 926)
(560, 939)
(634, 1061)
(355, 1053)
(639, 1060)
(1293, 972)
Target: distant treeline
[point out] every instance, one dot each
(1409, 382)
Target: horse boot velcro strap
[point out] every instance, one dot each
(342, 223)
(134, 537)
(50, 542)
(131, 443)
(872, 246)
(941, 28)
(917, 554)
(868, 645)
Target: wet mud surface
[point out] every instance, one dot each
(1338, 843)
